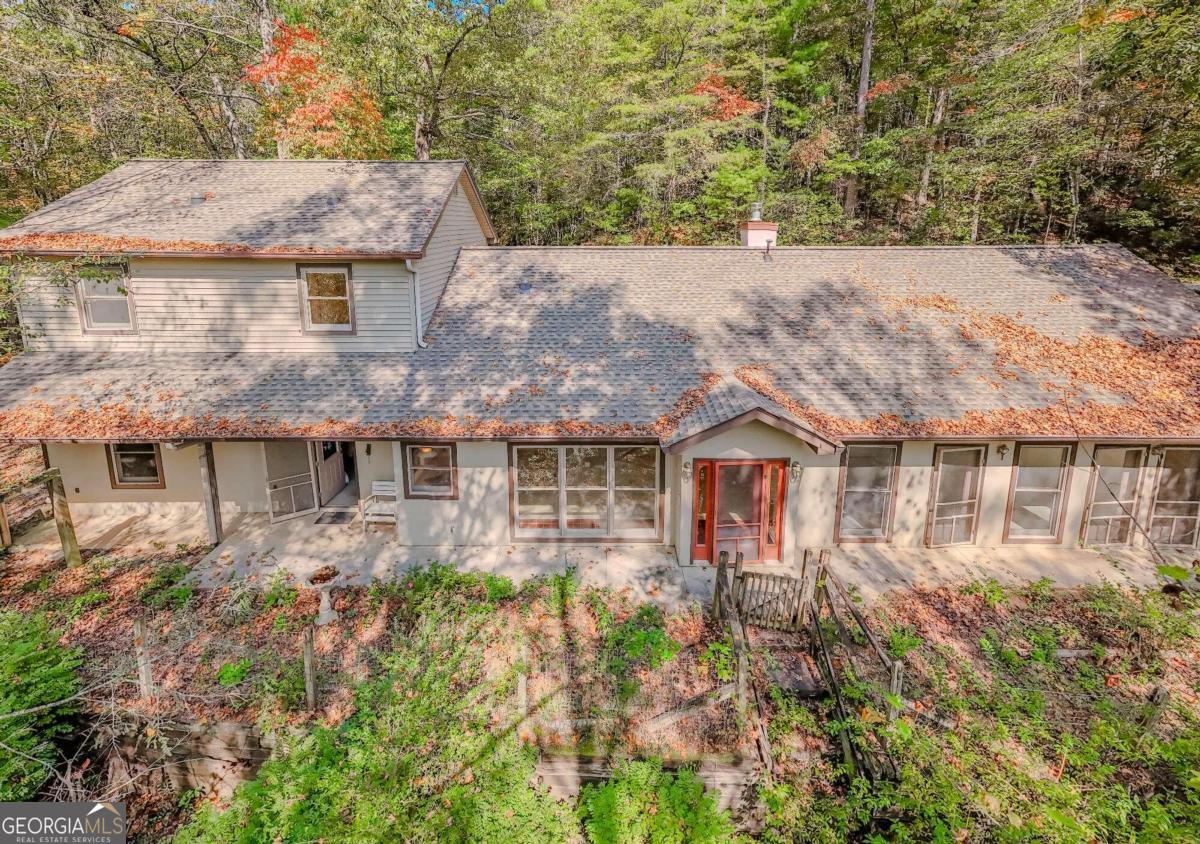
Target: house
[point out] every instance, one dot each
(282, 337)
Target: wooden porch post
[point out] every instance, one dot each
(5, 529)
(62, 519)
(212, 500)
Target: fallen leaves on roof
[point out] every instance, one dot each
(100, 244)
(71, 418)
(1159, 378)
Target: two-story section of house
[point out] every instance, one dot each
(290, 338)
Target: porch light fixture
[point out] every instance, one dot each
(1002, 450)
(795, 470)
(687, 470)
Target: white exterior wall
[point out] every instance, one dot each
(241, 480)
(812, 500)
(457, 227)
(228, 304)
(376, 466)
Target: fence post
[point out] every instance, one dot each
(722, 564)
(141, 653)
(63, 521)
(5, 528)
(896, 688)
(310, 669)
(738, 583)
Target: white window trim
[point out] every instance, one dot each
(87, 326)
(608, 531)
(306, 323)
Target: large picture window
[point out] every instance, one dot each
(326, 301)
(1041, 474)
(1113, 502)
(105, 303)
(586, 490)
(868, 493)
(1177, 498)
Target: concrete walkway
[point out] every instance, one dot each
(874, 570)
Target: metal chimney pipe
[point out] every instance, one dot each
(755, 212)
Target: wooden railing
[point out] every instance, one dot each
(725, 610)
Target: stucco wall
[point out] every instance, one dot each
(241, 481)
(376, 466)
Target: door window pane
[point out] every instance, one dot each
(1111, 511)
(867, 495)
(956, 501)
(702, 504)
(1177, 498)
(1038, 491)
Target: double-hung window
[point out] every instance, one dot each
(1041, 474)
(326, 299)
(105, 303)
(586, 490)
(957, 475)
(868, 493)
(430, 471)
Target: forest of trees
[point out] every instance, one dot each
(651, 121)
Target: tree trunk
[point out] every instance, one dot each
(939, 112)
(231, 119)
(266, 33)
(850, 204)
(421, 141)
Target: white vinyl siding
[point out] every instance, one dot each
(228, 304)
(457, 228)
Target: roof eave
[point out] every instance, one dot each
(214, 253)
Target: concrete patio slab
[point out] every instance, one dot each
(255, 549)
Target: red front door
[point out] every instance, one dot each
(738, 506)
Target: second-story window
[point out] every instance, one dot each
(327, 305)
(105, 303)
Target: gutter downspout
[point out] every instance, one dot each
(416, 297)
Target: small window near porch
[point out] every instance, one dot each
(135, 466)
(868, 491)
(430, 471)
(326, 302)
(105, 303)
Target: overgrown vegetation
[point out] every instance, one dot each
(643, 804)
(35, 670)
(1031, 722)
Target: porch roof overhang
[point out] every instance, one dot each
(819, 444)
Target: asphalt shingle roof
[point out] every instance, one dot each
(275, 207)
(654, 341)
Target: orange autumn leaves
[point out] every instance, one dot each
(312, 109)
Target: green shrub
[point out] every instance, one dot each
(280, 591)
(639, 642)
(162, 591)
(232, 673)
(34, 670)
(643, 803)
(719, 656)
(902, 641)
